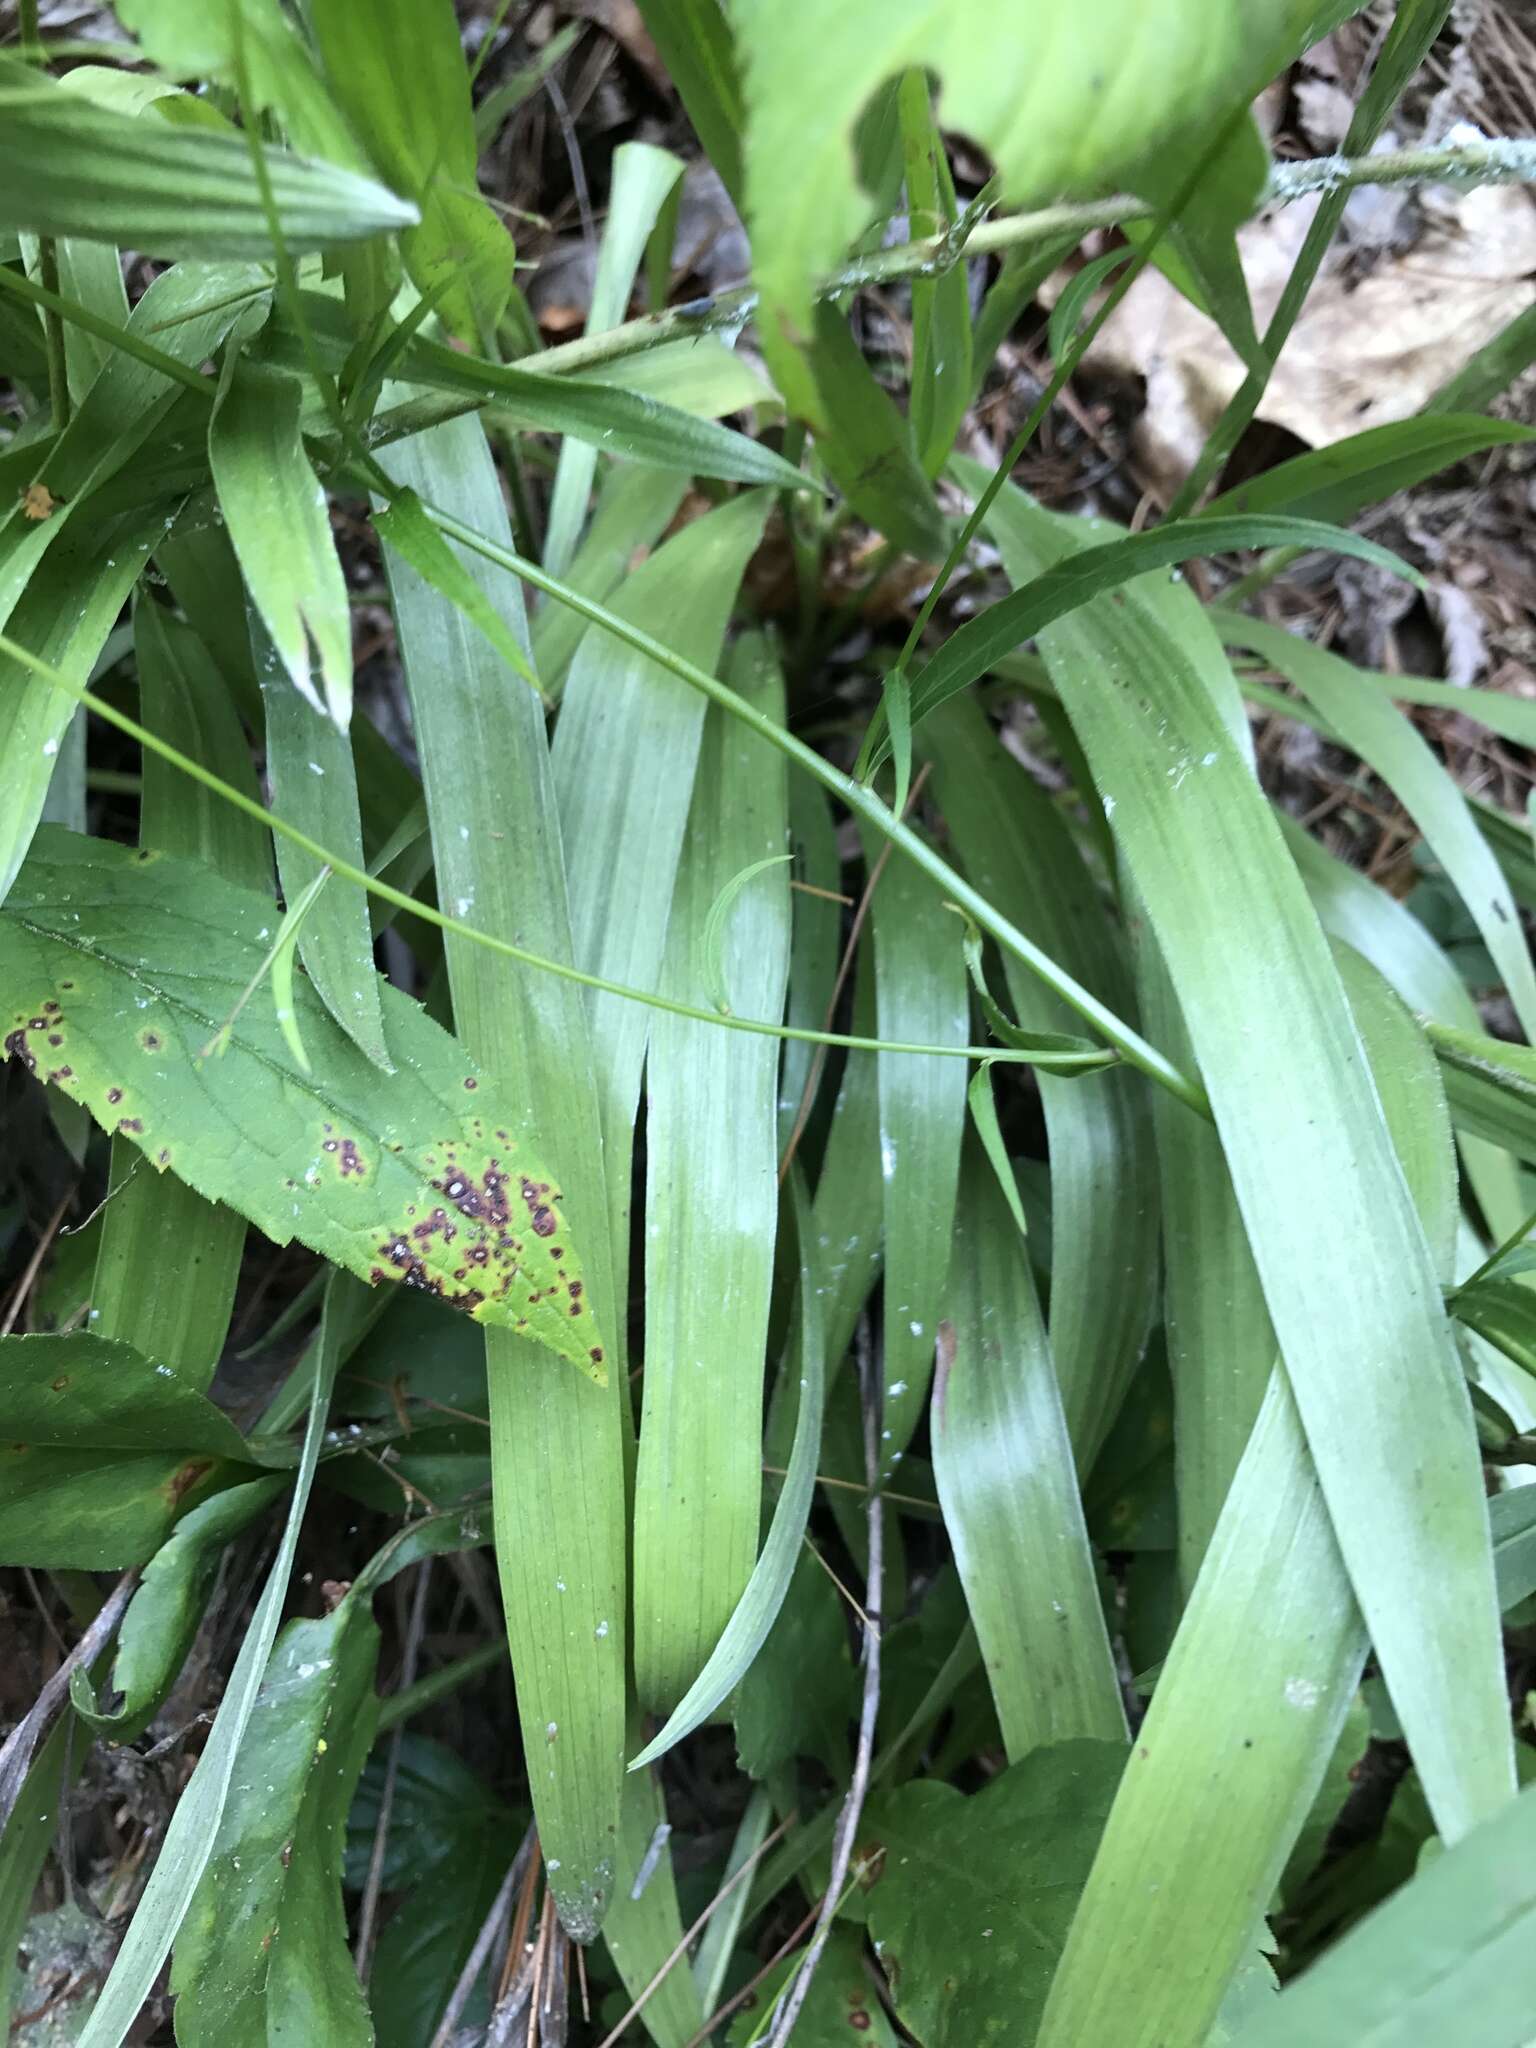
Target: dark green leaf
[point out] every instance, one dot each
(970, 1957)
(193, 1829)
(262, 1954)
(102, 1450)
(1336, 482)
(864, 443)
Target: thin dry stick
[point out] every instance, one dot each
(832, 1575)
(819, 1057)
(39, 1253)
(22, 1743)
(485, 1940)
(853, 1804)
(698, 1926)
(723, 2012)
(368, 1917)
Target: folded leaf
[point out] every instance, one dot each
(167, 1611)
(119, 967)
(262, 1955)
(276, 515)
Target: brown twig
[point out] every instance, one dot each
(611, 2037)
(739, 1998)
(34, 1265)
(25, 1738)
(485, 1940)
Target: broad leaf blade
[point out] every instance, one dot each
(1450, 1957)
(102, 1450)
(1248, 1706)
(120, 968)
(263, 1950)
(557, 1445)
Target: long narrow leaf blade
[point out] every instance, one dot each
(557, 1447)
(712, 1200)
(1340, 1252)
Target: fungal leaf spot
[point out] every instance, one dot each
(421, 1177)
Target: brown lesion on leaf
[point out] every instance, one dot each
(184, 1478)
(151, 1041)
(132, 1125)
(476, 1218)
(17, 1049)
(114, 1096)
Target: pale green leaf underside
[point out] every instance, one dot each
(117, 968)
(1064, 96)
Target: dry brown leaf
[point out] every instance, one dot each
(1364, 351)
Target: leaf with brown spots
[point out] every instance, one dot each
(117, 968)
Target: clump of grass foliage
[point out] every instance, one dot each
(984, 1328)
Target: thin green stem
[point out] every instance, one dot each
(1413, 29)
(1091, 1061)
(1060, 376)
(426, 1692)
(929, 256)
(88, 322)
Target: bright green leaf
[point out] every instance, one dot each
(133, 962)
